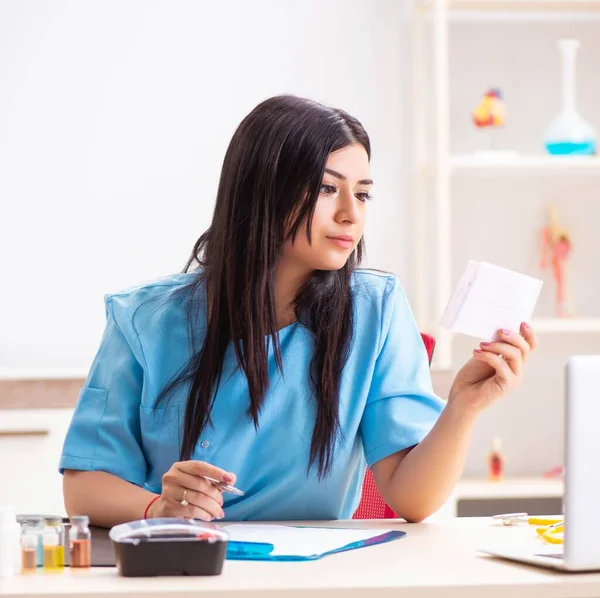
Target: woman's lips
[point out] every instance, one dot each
(342, 241)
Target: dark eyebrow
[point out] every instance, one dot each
(340, 176)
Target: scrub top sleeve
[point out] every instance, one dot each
(104, 434)
(401, 406)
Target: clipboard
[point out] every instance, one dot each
(243, 550)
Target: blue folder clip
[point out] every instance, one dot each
(239, 551)
(258, 551)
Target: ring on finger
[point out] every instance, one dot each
(500, 356)
(184, 502)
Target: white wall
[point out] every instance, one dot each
(114, 118)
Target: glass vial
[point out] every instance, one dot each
(29, 551)
(80, 542)
(34, 526)
(54, 546)
(496, 461)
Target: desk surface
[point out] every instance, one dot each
(435, 560)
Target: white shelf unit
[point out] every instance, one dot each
(443, 167)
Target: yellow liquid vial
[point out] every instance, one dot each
(53, 559)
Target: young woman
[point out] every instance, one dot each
(275, 363)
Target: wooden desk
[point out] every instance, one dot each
(435, 560)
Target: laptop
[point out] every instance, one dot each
(581, 548)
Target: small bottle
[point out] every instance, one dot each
(10, 531)
(496, 461)
(29, 551)
(33, 527)
(80, 542)
(54, 546)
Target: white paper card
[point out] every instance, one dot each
(489, 298)
(299, 541)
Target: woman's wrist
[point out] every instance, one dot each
(461, 410)
(148, 512)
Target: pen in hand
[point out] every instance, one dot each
(223, 487)
(183, 494)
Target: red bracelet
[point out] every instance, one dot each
(149, 505)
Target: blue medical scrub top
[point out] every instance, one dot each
(386, 403)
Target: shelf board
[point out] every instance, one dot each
(43, 374)
(526, 165)
(566, 324)
(525, 5)
(527, 487)
(554, 325)
(568, 7)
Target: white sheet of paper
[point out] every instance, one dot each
(299, 541)
(488, 298)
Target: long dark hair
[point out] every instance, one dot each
(269, 186)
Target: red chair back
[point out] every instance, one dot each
(371, 505)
